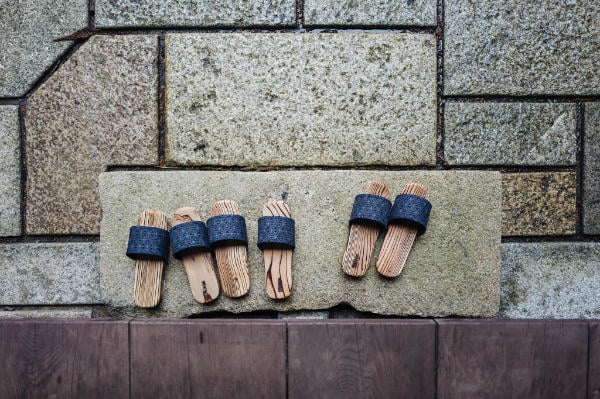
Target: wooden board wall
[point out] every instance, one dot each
(442, 358)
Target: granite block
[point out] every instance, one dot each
(98, 109)
(301, 99)
(518, 47)
(49, 273)
(550, 280)
(63, 312)
(384, 12)
(161, 13)
(28, 29)
(510, 134)
(591, 170)
(452, 270)
(10, 171)
(539, 203)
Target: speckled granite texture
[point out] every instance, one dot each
(238, 13)
(510, 134)
(300, 99)
(452, 270)
(363, 12)
(591, 178)
(550, 280)
(98, 109)
(27, 32)
(49, 273)
(10, 171)
(521, 47)
(538, 203)
(45, 311)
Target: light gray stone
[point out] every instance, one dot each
(304, 315)
(550, 280)
(49, 273)
(53, 312)
(362, 12)
(452, 270)
(510, 134)
(591, 174)
(10, 171)
(27, 33)
(301, 99)
(521, 47)
(98, 109)
(240, 13)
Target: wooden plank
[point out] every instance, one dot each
(64, 359)
(208, 359)
(594, 365)
(362, 359)
(512, 359)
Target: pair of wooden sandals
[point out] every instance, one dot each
(192, 242)
(372, 211)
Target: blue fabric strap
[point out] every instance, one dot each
(370, 208)
(148, 243)
(224, 228)
(411, 209)
(189, 236)
(276, 231)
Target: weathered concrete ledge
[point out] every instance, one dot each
(453, 269)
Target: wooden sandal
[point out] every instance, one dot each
(369, 216)
(189, 240)
(149, 245)
(227, 235)
(276, 238)
(408, 218)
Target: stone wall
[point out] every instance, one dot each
(441, 89)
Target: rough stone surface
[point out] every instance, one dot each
(98, 109)
(49, 273)
(521, 47)
(301, 99)
(550, 280)
(386, 12)
(304, 315)
(452, 270)
(127, 13)
(510, 134)
(27, 32)
(10, 171)
(539, 203)
(591, 176)
(56, 312)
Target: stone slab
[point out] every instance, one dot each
(98, 109)
(510, 134)
(386, 12)
(10, 171)
(45, 312)
(304, 315)
(591, 169)
(539, 203)
(452, 270)
(161, 13)
(550, 280)
(49, 273)
(27, 33)
(521, 47)
(301, 99)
